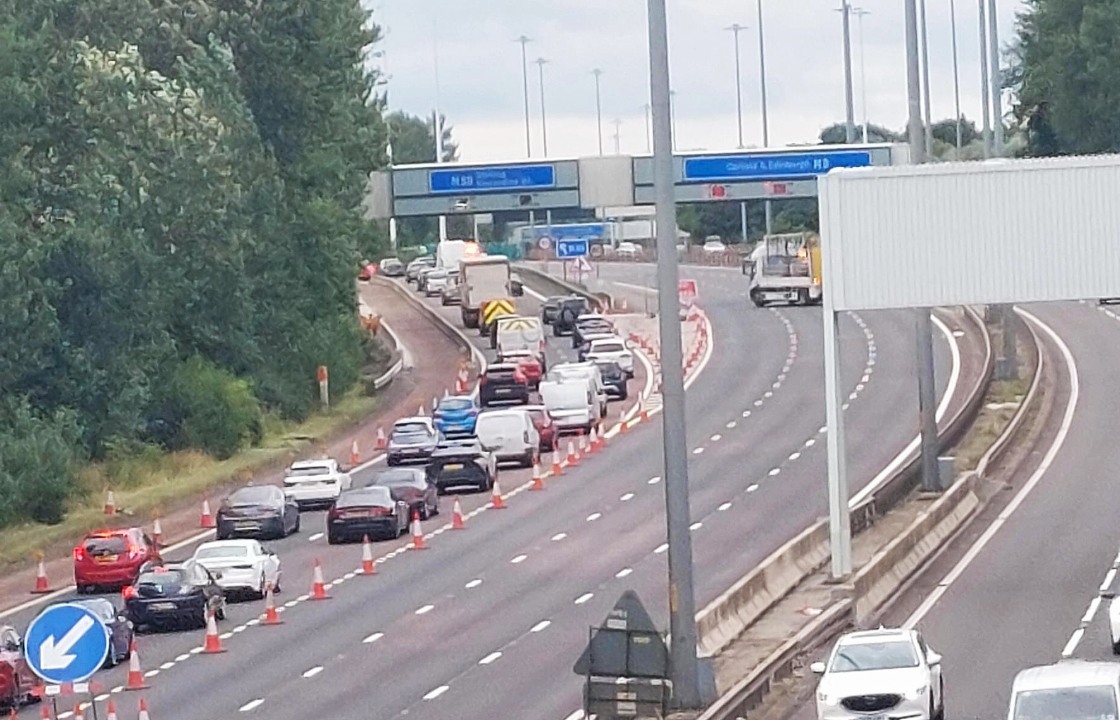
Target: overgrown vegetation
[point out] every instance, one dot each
(180, 226)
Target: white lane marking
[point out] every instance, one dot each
(433, 694)
(623, 572)
(697, 451)
(626, 497)
(1092, 610)
(1108, 578)
(424, 610)
(810, 442)
(252, 705)
(473, 583)
(102, 697)
(752, 488)
(151, 673)
(540, 626)
(696, 525)
(594, 516)
(181, 658)
(775, 471)
(661, 548)
(731, 425)
(490, 658)
(1039, 473)
(226, 635)
(313, 671)
(584, 598)
(746, 413)
(1074, 641)
(794, 456)
(725, 506)
(577, 715)
(654, 480)
(559, 536)
(518, 560)
(757, 403)
(167, 665)
(373, 638)
(316, 536)
(716, 438)
(768, 394)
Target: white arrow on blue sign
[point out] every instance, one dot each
(67, 643)
(570, 248)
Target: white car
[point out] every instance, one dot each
(714, 247)
(613, 349)
(435, 282)
(240, 565)
(879, 675)
(628, 250)
(315, 482)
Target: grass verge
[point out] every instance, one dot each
(150, 482)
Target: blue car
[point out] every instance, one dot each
(456, 416)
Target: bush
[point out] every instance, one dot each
(38, 462)
(213, 410)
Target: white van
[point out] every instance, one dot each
(1066, 689)
(570, 404)
(510, 435)
(589, 371)
(519, 334)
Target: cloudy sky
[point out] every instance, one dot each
(464, 55)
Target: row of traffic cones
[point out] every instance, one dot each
(110, 711)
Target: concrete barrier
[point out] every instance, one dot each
(602, 301)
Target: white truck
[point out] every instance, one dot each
(520, 335)
(482, 279)
(450, 252)
(785, 268)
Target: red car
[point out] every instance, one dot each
(529, 366)
(367, 272)
(545, 427)
(16, 679)
(112, 558)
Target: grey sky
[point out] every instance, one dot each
(480, 82)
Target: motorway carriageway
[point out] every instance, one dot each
(1021, 587)
(490, 618)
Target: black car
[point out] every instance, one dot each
(570, 310)
(412, 487)
(257, 511)
(590, 326)
(167, 596)
(550, 308)
(411, 440)
(503, 382)
(614, 379)
(462, 463)
(366, 512)
(119, 627)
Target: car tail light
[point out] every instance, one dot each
(135, 551)
(128, 591)
(518, 376)
(332, 513)
(380, 512)
(79, 554)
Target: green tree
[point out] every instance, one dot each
(413, 141)
(946, 131)
(837, 134)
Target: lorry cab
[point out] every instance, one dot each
(785, 268)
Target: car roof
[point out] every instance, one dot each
(415, 419)
(501, 366)
(602, 337)
(458, 398)
(237, 542)
(864, 637)
(301, 464)
(1067, 673)
(111, 532)
(501, 412)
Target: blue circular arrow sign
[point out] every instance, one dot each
(67, 643)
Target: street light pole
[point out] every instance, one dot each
(544, 123)
(984, 99)
(735, 28)
(765, 116)
(649, 131)
(996, 79)
(673, 122)
(956, 74)
(598, 109)
(525, 85)
(437, 124)
(617, 136)
(845, 10)
(684, 668)
(925, 80)
(859, 13)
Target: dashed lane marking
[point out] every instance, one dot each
(433, 694)
(424, 610)
(373, 638)
(251, 705)
(584, 598)
(540, 626)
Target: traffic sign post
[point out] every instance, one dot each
(571, 247)
(67, 643)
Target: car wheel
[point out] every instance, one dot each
(220, 613)
(333, 539)
(941, 705)
(84, 589)
(435, 508)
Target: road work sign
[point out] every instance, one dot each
(66, 644)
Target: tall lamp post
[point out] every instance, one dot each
(859, 13)
(925, 79)
(673, 119)
(649, 130)
(617, 136)
(544, 122)
(845, 11)
(765, 116)
(735, 29)
(598, 108)
(956, 73)
(525, 87)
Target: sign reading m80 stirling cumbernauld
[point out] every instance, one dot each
(492, 179)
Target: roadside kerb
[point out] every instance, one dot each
(887, 570)
(396, 348)
(603, 301)
(729, 615)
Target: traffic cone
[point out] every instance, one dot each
(421, 412)
(381, 441)
(42, 585)
(594, 440)
(417, 533)
(45, 711)
(213, 643)
(496, 497)
(446, 393)
(111, 710)
(457, 516)
(318, 587)
(135, 675)
(207, 519)
(583, 450)
(271, 615)
(157, 531)
(643, 413)
(143, 710)
(77, 713)
(435, 403)
(369, 567)
(602, 437)
(573, 457)
(538, 481)
(355, 456)
(110, 503)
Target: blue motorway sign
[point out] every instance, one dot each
(67, 643)
(770, 166)
(570, 248)
(580, 231)
(510, 178)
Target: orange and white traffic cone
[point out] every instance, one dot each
(111, 710)
(435, 401)
(76, 714)
(143, 710)
(538, 480)
(44, 711)
(207, 519)
(457, 516)
(42, 585)
(602, 437)
(369, 567)
(624, 426)
(421, 412)
(496, 500)
(157, 531)
(355, 455)
(573, 456)
(135, 674)
(382, 442)
(644, 413)
(583, 450)
(417, 533)
(213, 643)
(271, 614)
(318, 587)
(110, 507)
(594, 440)
(557, 466)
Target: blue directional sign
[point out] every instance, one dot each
(510, 178)
(770, 166)
(581, 231)
(570, 248)
(67, 643)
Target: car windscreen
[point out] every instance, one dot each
(370, 496)
(1092, 702)
(569, 397)
(609, 369)
(102, 608)
(165, 577)
(456, 405)
(252, 496)
(309, 470)
(221, 551)
(401, 476)
(111, 545)
(874, 656)
(607, 347)
(490, 425)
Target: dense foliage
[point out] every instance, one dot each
(413, 140)
(179, 224)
